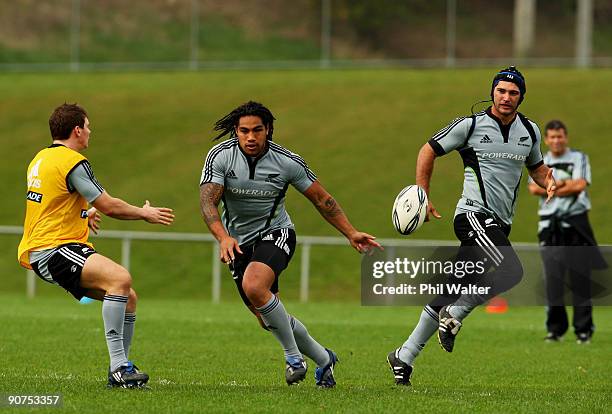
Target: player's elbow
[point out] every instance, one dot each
(580, 186)
(427, 151)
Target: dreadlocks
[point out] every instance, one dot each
(228, 124)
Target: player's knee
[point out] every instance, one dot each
(517, 270)
(132, 298)
(513, 271)
(252, 289)
(122, 280)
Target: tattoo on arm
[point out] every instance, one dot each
(329, 208)
(210, 195)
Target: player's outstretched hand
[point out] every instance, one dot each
(551, 185)
(432, 210)
(364, 242)
(93, 219)
(227, 246)
(157, 215)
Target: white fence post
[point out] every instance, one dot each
(325, 33)
(216, 274)
(126, 249)
(305, 272)
(30, 284)
(584, 33)
(195, 35)
(126, 238)
(75, 36)
(451, 32)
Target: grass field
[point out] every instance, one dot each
(359, 131)
(205, 358)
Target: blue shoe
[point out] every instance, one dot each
(295, 370)
(127, 376)
(324, 376)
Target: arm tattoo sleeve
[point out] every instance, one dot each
(210, 195)
(329, 208)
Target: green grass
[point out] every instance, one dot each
(359, 130)
(207, 358)
(155, 31)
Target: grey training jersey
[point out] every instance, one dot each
(493, 157)
(572, 165)
(254, 189)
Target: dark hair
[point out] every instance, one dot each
(228, 124)
(555, 124)
(64, 118)
(510, 74)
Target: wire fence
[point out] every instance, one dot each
(304, 242)
(113, 35)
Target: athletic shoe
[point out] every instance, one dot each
(447, 329)
(127, 376)
(324, 376)
(552, 337)
(583, 338)
(401, 371)
(110, 379)
(295, 370)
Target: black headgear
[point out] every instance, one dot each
(510, 74)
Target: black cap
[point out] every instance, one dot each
(510, 74)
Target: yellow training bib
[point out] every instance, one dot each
(54, 214)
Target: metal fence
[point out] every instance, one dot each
(80, 35)
(304, 242)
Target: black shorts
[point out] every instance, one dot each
(274, 249)
(484, 239)
(480, 229)
(65, 267)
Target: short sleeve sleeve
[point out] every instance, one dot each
(452, 137)
(82, 180)
(535, 159)
(300, 176)
(582, 168)
(214, 167)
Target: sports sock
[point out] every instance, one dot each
(113, 314)
(460, 311)
(274, 315)
(427, 326)
(128, 332)
(306, 343)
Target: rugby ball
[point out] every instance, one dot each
(409, 209)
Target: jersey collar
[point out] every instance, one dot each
(504, 129)
(260, 156)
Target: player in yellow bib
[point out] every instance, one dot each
(61, 185)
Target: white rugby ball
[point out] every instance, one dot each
(409, 209)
